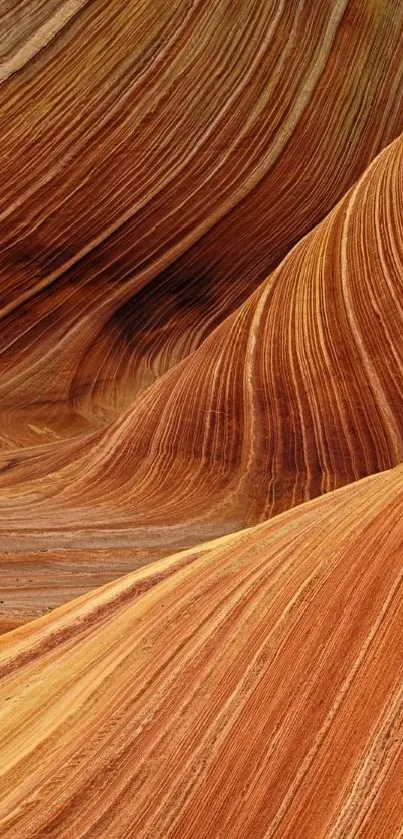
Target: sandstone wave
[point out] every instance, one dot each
(201, 419)
(157, 162)
(251, 687)
(298, 392)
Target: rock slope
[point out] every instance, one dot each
(298, 392)
(157, 162)
(248, 688)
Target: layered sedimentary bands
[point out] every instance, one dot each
(201, 311)
(158, 160)
(248, 688)
(298, 392)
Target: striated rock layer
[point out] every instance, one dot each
(157, 161)
(250, 687)
(298, 392)
(201, 419)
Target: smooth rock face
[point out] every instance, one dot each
(201, 419)
(251, 687)
(158, 161)
(298, 392)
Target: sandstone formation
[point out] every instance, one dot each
(298, 392)
(157, 161)
(201, 419)
(248, 688)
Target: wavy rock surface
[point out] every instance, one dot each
(157, 161)
(201, 358)
(297, 393)
(251, 687)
